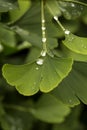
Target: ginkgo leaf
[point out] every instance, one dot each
(44, 74)
(76, 44)
(7, 36)
(23, 7)
(74, 86)
(50, 110)
(75, 56)
(70, 10)
(53, 7)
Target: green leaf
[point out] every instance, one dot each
(7, 5)
(44, 74)
(35, 39)
(70, 10)
(53, 7)
(74, 87)
(76, 44)
(23, 7)
(73, 118)
(70, 54)
(7, 36)
(50, 110)
(17, 120)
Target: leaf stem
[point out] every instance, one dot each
(43, 27)
(56, 18)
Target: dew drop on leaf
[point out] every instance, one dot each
(83, 46)
(37, 68)
(43, 53)
(43, 21)
(67, 32)
(72, 4)
(43, 28)
(44, 40)
(40, 61)
(56, 18)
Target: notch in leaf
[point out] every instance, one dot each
(31, 77)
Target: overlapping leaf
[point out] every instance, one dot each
(76, 44)
(75, 56)
(70, 10)
(29, 78)
(7, 36)
(19, 12)
(74, 87)
(50, 110)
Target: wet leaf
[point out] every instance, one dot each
(44, 74)
(70, 10)
(74, 87)
(70, 54)
(76, 44)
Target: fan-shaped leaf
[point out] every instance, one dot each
(23, 7)
(76, 44)
(50, 110)
(75, 56)
(44, 74)
(74, 87)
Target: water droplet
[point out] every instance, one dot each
(56, 18)
(44, 40)
(40, 61)
(37, 68)
(83, 46)
(43, 21)
(72, 4)
(43, 53)
(67, 32)
(70, 39)
(43, 28)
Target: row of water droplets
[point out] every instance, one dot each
(40, 61)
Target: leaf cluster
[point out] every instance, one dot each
(53, 77)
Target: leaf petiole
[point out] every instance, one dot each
(43, 27)
(56, 18)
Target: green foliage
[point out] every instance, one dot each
(50, 110)
(71, 42)
(43, 54)
(44, 72)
